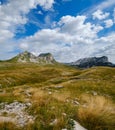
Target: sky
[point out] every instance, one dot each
(69, 29)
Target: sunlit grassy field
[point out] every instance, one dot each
(59, 93)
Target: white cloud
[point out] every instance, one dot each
(73, 39)
(114, 15)
(7, 49)
(108, 23)
(106, 46)
(105, 4)
(77, 26)
(68, 47)
(102, 6)
(13, 14)
(100, 15)
(46, 4)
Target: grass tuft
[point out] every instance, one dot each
(98, 113)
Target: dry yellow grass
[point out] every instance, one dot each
(61, 96)
(38, 95)
(8, 126)
(98, 113)
(37, 84)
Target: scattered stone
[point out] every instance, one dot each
(28, 104)
(54, 122)
(64, 114)
(84, 105)
(28, 93)
(15, 113)
(76, 102)
(59, 87)
(77, 126)
(67, 100)
(94, 93)
(49, 93)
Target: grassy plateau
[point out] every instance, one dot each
(59, 93)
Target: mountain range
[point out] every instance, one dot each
(47, 58)
(25, 57)
(92, 61)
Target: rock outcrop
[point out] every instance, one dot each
(16, 113)
(92, 61)
(46, 58)
(25, 57)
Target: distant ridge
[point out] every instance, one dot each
(47, 58)
(92, 61)
(26, 57)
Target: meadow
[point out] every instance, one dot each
(59, 93)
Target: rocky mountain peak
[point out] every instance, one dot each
(26, 57)
(44, 58)
(45, 54)
(92, 61)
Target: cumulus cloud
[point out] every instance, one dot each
(68, 42)
(13, 14)
(100, 15)
(108, 23)
(106, 46)
(70, 30)
(77, 26)
(73, 38)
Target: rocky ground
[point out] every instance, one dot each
(15, 112)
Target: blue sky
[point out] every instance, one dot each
(69, 29)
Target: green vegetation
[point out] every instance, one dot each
(8, 126)
(59, 93)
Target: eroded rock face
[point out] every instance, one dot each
(45, 58)
(15, 112)
(92, 61)
(26, 57)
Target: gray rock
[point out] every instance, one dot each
(25, 57)
(77, 126)
(58, 87)
(21, 117)
(92, 61)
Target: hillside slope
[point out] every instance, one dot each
(51, 95)
(26, 57)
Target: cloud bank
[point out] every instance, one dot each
(71, 38)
